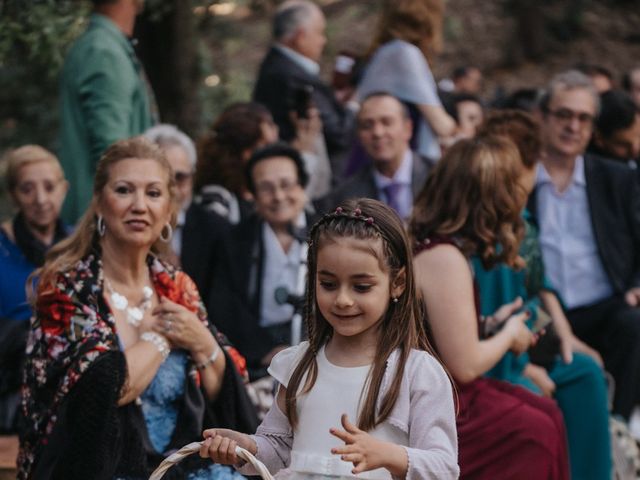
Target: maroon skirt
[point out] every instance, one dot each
(506, 432)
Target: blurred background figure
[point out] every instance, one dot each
(289, 84)
(467, 79)
(631, 83)
(198, 234)
(266, 253)
(468, 112)
(223, 153)
(37, 187)
(616, 132)
(104, 97)
(601, 77)
(409, 34)
(393, 174)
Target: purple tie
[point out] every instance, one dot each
(392, 192)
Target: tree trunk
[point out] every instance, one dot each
(168, 49)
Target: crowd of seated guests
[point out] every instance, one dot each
(183, 278)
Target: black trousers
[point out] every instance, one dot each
(613, 328)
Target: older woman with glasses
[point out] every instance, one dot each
(123, 366)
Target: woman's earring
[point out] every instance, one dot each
(100, 226)
(166, 238)
(395, 299)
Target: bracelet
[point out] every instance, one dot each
(212, 358)
(158, 341)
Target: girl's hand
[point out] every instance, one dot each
(521, 336)
(220, 445)
(182, 327)
(539, 376)
(368, 453)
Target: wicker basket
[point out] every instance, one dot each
(194, 447)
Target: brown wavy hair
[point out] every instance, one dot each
(474, 194)
(418, 22)
(65, 254)
(521, 127)
(401, 328)
(220, 150)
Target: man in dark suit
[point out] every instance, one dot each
(291, 68)
(395, 174)
(588, 210)
(265, 253)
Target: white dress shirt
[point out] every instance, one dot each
(569, 248)
(280, 269)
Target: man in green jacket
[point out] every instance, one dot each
(104, 97)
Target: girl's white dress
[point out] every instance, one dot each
(423, 420)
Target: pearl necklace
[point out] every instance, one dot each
(121, 303)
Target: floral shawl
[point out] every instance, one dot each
(72, 327)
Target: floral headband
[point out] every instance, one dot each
(356, 216)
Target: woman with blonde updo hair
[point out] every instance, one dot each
(123, 366)
(409, 35)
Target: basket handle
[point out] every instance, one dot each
(194, 447)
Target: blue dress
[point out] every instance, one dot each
(160, 403)
(581, 391)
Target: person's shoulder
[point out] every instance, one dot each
(441, 256)
(609, 171)
(423, 368)
(285, 361)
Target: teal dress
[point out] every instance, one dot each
(581, 390)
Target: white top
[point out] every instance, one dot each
(337, 390)
(400, 68)
(569, 249)
(280, 270)
(422, 420)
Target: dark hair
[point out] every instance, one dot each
(452, 102)
(220, 150)
(521, 127)
(525, 99)
(380, 94)
(278, 149)
(474, 194)
(617, 112)
(626, 81)
(462, 71)
(402, 326)
(592, 69)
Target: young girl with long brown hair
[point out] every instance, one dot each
(471, 205)
(367, 366)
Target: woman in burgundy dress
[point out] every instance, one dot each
(471, 205)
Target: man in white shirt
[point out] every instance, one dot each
(588, 210)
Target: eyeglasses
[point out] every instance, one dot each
(270, 189)
(564, 115)
(182, 177)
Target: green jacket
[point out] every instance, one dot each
(104, 98)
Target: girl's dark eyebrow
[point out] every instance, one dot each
(357, 275)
